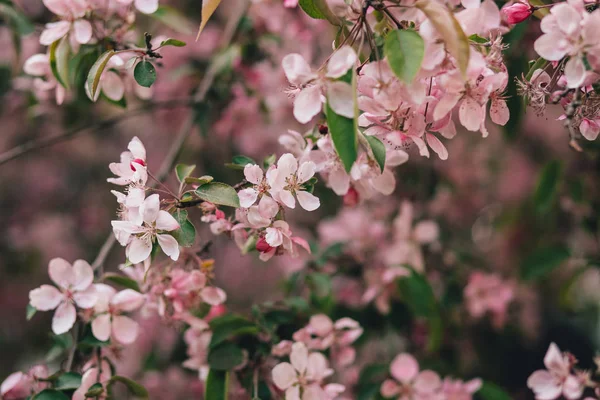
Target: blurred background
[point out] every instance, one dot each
(519, 200)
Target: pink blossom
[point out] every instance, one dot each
(108, 320)
(72, 12)
(488, 293)
(38, 65)
(409, 383)
(455, 389)
(288, 181)
(139, 237)
(557, 379)
(517, 12)
(75, 284)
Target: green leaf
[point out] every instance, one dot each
(172, 42)
(144, 73)
(95, 390)
(242, 160)
(547, 186)
(229, 326)
(93, 79)
(542, 261)
(199, 181)
(186, 234)
(122, 280)
(68, 381)
(50, 394)
(174, 19)
(491, 391)
(378, 150)
(16, 19)
(31, 310)
(420, 299)
(343, 134)
(478, 39)
(404, 50)
(319, 9)
(59, 61)
(217, 384)
(457, 43)
(60, 344)
(134, 388)
(540, 63)
(219, 193)
(320, 283)
(183, 171)
(225, 356)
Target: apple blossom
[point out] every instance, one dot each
(74, 288)
(108, 320)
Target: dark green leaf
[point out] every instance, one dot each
(491, 391)
(93, 79)
(404, 50)
(547, 187)
(542, 261)
(95, 390)
(186, 234)
(217, 384)
(219, 193)
(134, 388)
(144, 73)
(183, 171)
(122, 280)
(229, 326)
(225, 356)
(68, 381)
(199, 181)
(242, 160)
(50, 394)
(343, 134)
(172, 42)
(31, 310)
(378, 150)
(319, 9)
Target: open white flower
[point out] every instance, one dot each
(139, 237)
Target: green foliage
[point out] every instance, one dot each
(239, 162)
(121, 280)
(68, 381)
(93, 78)
(183, 171)
(217, 385)
(186, 234)
(50, 394)
(230, 326)
(172, 42)
(547, 187)
(319, 9)
(491, 391)
(31, 310)
(134, 388)
(15, 18)
(420, 299)
(404, 50)
(144, 73)
(225, 356)
(378, 149)
(542, 261)
(218, 193)
(344, 136)
(60, 52)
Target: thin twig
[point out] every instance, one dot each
(38, 144)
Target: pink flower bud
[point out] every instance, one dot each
(219, 214)
(262, 245)
(351, 198)
(517, 12)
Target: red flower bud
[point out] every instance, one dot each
(351, 198)
(262, 245)
(517, 12)
(219, 214)
(137, 161)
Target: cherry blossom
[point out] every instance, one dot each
(108, 320)
(557, 379)
(74, 288)
(72, 12)
(139, 238)
(302, 376)
(488, 293)
(288, 181)
(517, 12)
(409, 383)
(132, 167)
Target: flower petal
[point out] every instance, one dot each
(307, 200)
(166, 222)
(169, 246)
(101, 327)
(404, 368)
(124, 329)
(45, 298)
(341, 98)
(284, 375)
(64, 318)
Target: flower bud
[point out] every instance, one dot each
(351, 198)
(517, 12)
(262, 245)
